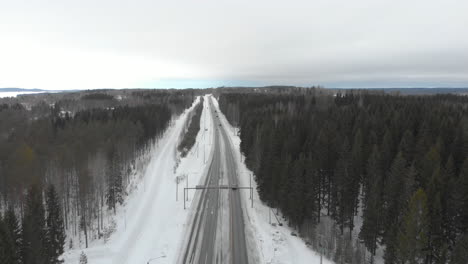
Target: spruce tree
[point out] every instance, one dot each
(372, 218)
(393, 185)
(34, 240)
(449, 201)
(406, 146)
(55, 227)
(386, 149)
(413, 236)
(392, 205)
(437, 238)
(373, 172)
(83, 258)
(429, 163)
(343, 200)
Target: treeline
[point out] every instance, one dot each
(395, 168)
(191, 131)
(90, 155)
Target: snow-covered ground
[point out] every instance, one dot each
(151, 223)
(267, 243)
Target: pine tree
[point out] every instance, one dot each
(14, 232)
(460, 252)
(6, 244)
(33, 249)
(115, 192)
(343, 200)
(373, 172)
(393, 185)
(55, 228)
(449, 201)
(372, 218)
(371, 227)
(413, 236)
(295, 196)
(406, 146)
(461, 199)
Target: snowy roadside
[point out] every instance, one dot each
(267, 243)
(151, 223)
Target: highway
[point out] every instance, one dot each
(202, 243)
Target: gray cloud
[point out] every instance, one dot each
(334, 43)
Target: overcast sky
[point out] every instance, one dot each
(59, 44)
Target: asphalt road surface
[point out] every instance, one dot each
(201, 244)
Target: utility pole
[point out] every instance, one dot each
(187, 185)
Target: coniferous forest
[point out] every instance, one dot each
(67, 161)
(192, 127)
(361, 174)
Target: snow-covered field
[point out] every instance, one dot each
(271, 244)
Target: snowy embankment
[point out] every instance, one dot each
(151, 223)
(267, 243)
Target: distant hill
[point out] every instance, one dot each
(424, 91)
(412, 91)
(9, 90)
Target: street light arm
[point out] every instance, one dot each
(151, 259)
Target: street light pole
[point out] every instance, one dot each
(251, 191)
(321, 240)
(269, 215)
(151, 259)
